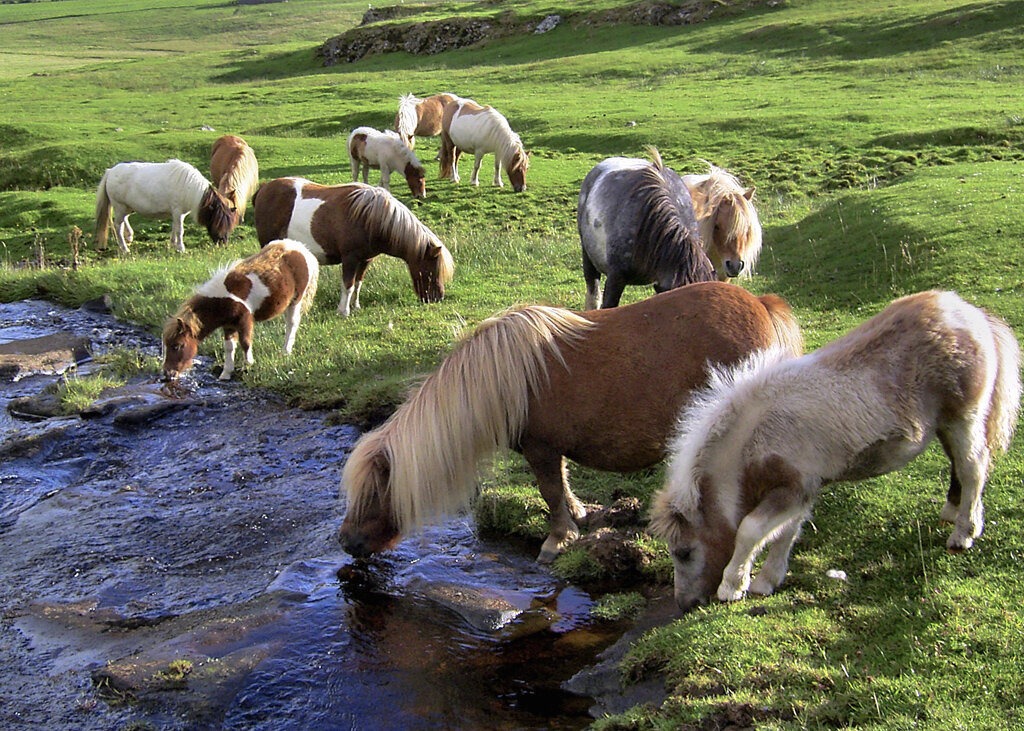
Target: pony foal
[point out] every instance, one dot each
(280, 278)
(756, 446)
(370, 148)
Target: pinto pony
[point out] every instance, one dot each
(468, 127)
(730, 230)
(602, 388)
(157, 189)
(637, 226)
(280, 278)
(234, 171)
(420, 117)
(756, 446)
(370, 148)
(350, 224)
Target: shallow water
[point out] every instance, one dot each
(208, 534)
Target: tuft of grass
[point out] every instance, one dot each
(77, 394)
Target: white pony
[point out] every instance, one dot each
(729, 227)
(469, 127)
(157, 189)
(371, 148)
(755, 447)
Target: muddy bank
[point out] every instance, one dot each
(174, 562)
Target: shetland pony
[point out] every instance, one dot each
(350, 224)
(420, 117)
(637, 226)
(602, 388)
(234, 171)
(370, 148)
(468, 127)
(155, 189)
(730, 230)
(280, 278)
(756, 446)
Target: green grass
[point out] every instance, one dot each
(886, 143)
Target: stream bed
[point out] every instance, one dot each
(174, 562)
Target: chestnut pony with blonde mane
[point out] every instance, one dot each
(420, 117)
(755, 447)
(234, 171)
(351, 224)
(730, 230)
(280, 278)
(602, 388)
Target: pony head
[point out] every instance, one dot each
(431, 271)
(218, 214)
(370, 524)
(735, 227)
(416, 177)
(180, 342)
(517, 168)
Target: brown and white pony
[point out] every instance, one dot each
(234, 171)
(280, 278)
(159, 189)
(468, 127)
(602, 388)
(350, 224)
(420, 117)
(370, 148)
(730, 230)
(755, 448)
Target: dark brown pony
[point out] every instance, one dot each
(350, 225)
(603, 388)
(234, 171)
(280, 278)
(420, 117)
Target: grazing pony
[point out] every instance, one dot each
(370, 148)
(155, 189)
(756, 446)
(234, 171)
(602, 388)
(280, 278)
(420, 117)
(637, 226)
(350, 224)
(730, 230)
(468, 127)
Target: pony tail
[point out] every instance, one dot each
(313, 272)
(102, 213)
(1004, 405)
(787, 329)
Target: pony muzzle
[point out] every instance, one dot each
(733, 267)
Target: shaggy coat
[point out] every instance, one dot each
(369, 148)
(235, 172)
(754, 449)
(469, 127)
(730, 230)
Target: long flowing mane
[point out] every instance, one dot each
(507, 144)
(475, 403)
(745, 227)
(240, 179)
(662, 233)
(387, 218)
(407, 117)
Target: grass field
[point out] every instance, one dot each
(886, 143)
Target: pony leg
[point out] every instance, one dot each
(773, 572)
(292, 317)
(497, 172)
(347, 290)
(970, 459)
(563, 506)
(478, 160)
(366, 172)
(229, 358)
(178, 231)
(385, 177)
(245, 338)
(354, 162)
(613, 287)
(357, 284)
(120, 226)
(770, 518)
(593, 279)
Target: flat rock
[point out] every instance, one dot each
(47, 355)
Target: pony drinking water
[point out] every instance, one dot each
(637, 226)
(280, 278)
(235, 172)
(420, 117)
(153, 189)
(730, 230)
(756, 446)
(602, 388)
(350, 224)
(469, 127)
(370, 148)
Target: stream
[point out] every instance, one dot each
(173, 562)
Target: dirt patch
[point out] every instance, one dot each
(433, 37)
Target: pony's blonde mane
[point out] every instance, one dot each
(241, 179)
(475, 403)
(189, 319)
(509, 146)
(408, 117)
(721, 185)
(386, 217)
(712, 415)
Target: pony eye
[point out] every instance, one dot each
(683, 554)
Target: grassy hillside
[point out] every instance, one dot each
(885, 141)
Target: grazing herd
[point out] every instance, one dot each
(702, 373)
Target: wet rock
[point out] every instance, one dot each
(28, 440)
(43, 405)
(49, 355)
(482, 609)
(103, 305)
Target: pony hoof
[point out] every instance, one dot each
(224, 377)
(761, 587)
(725, 594)
(546, 557)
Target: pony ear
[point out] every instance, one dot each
(749, 193)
